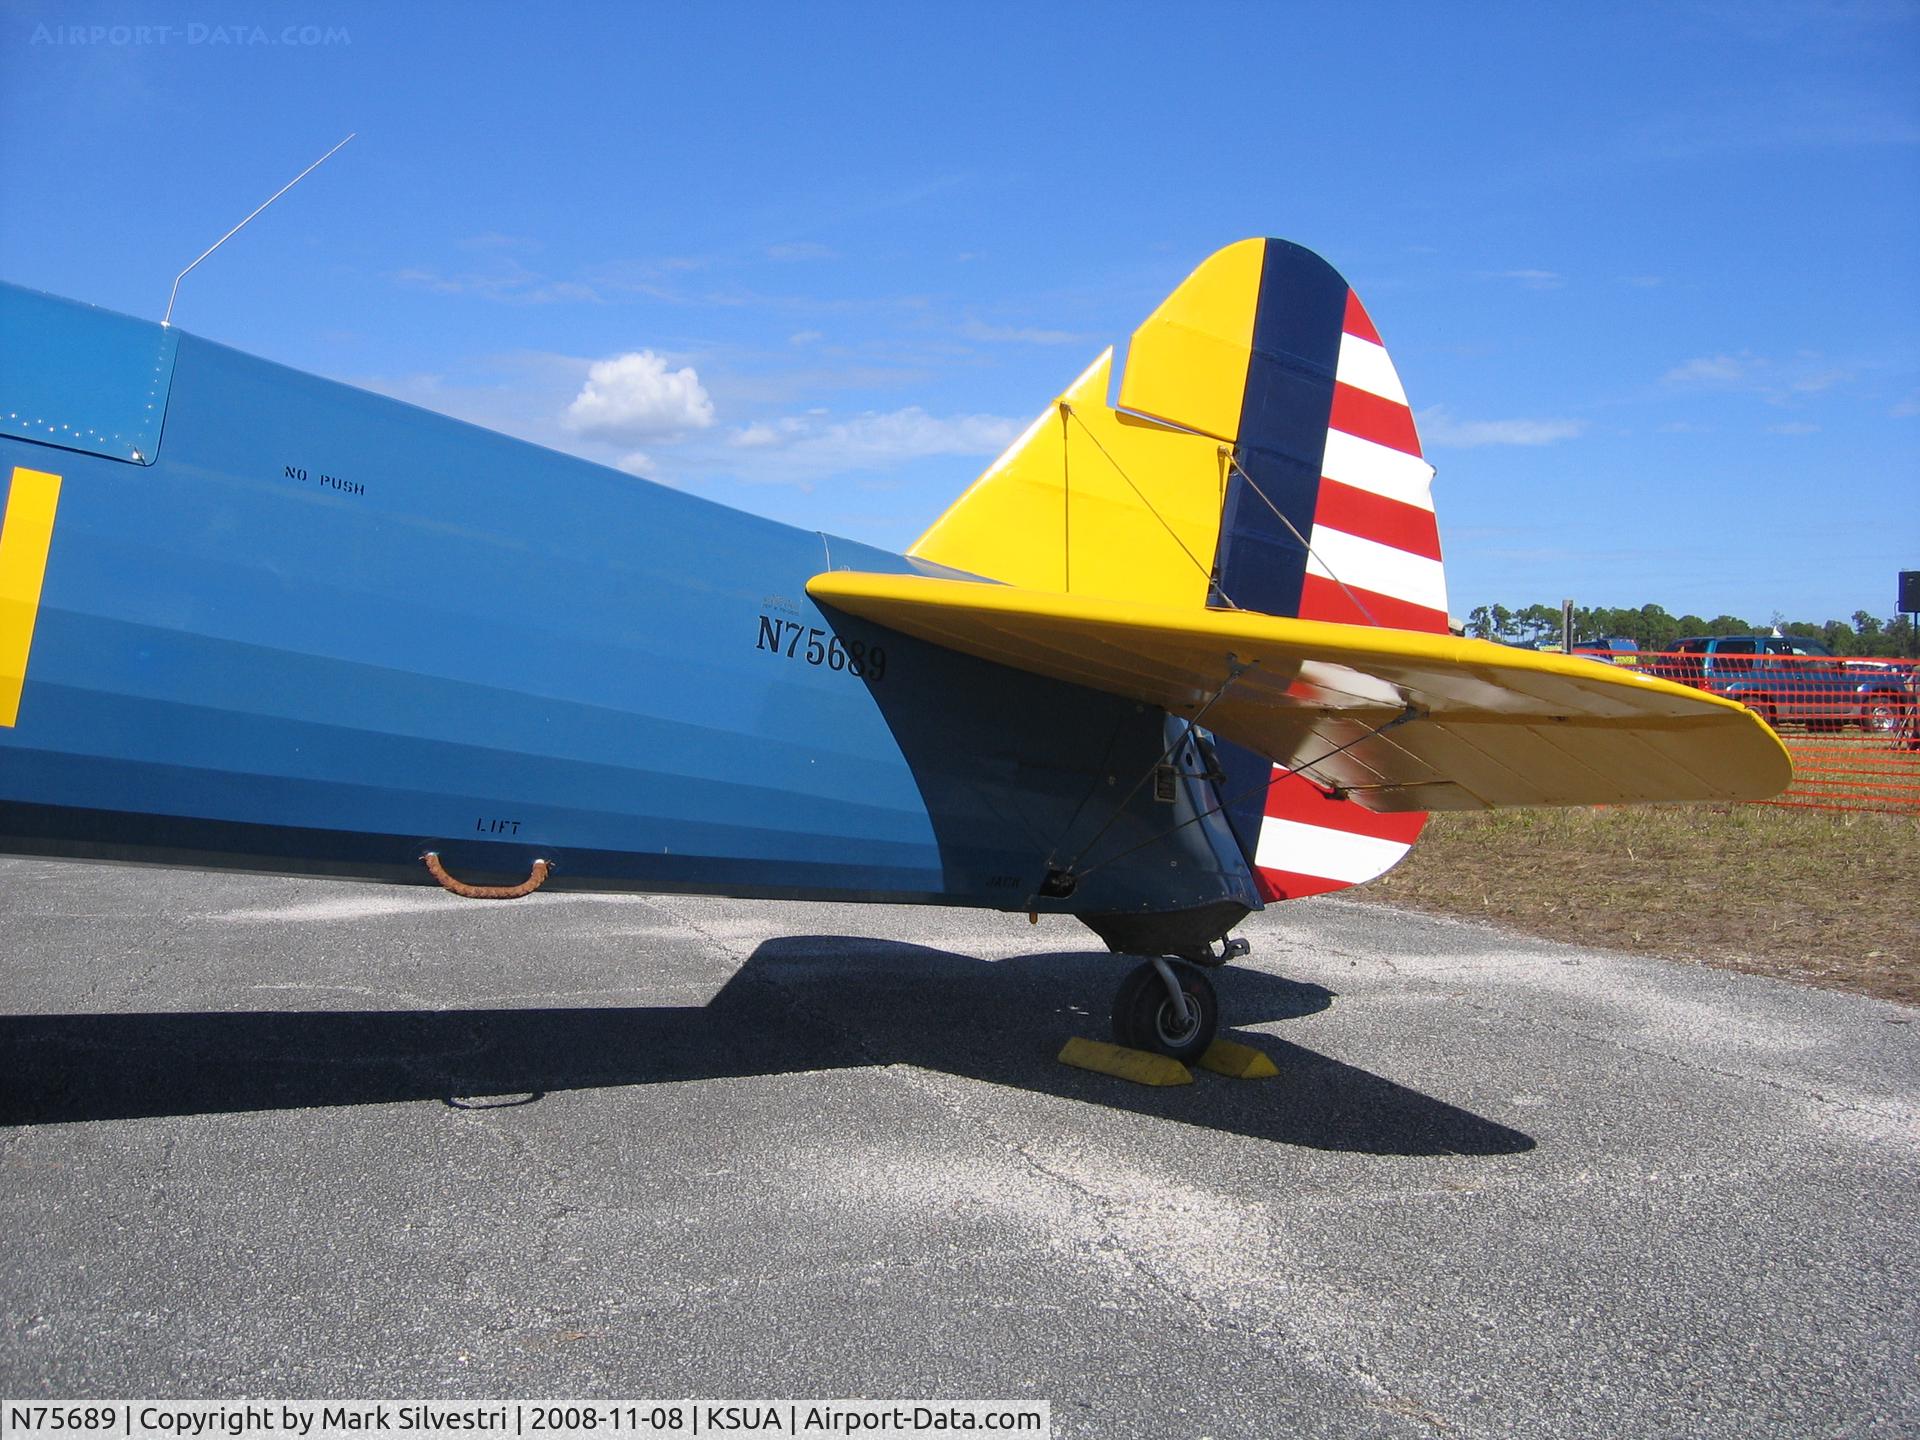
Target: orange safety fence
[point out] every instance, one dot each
(1852, 724)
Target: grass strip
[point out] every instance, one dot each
(1823, 898)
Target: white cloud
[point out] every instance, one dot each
(805, 337)
(636, 397)
(799, 447)
(801, 250)
(506, 281)
(760, 434)
(1644, 282)
(636, 462)
(1021, 334)
(1531, 279)
(516, 392)
(1794, 427)
(1749, 374)
(1818, 380)
(1906, 408)
(495, 240)
(1713, 370)
(1437, 427)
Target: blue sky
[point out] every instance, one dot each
(1650, 275)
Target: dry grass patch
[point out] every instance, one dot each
(1830, 899)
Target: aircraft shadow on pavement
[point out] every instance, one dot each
(799, 1003)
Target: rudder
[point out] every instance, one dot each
(1262, 456)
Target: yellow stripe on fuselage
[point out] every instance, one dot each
(26, 531)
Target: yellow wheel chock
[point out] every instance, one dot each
(1143, 1067)
(1237, 1062)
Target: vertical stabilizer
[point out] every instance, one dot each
(1262, 457)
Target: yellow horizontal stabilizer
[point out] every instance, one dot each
(1396, 719)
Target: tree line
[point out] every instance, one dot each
(1652, 628)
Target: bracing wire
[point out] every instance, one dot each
(1359, 604)
(1205, 571)
(1410, 713)
(1234, 672)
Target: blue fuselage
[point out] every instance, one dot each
(313, 629)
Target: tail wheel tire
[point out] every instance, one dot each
(1144, 1017)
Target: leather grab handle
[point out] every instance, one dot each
(541, 870)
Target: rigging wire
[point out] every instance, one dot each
(1304, 545)
(1067, 409)
(1234, 672)
(1412, 712)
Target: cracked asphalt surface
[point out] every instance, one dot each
(305, 1139)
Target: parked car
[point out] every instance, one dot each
(1887, 694)
(1611, 650)
(1786, 679)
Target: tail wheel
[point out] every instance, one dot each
(1761, 706)
(1145, 1018)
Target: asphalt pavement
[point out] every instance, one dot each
(307, 1139)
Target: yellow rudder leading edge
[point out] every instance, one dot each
(26, 533)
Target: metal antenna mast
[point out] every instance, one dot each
(167, 319)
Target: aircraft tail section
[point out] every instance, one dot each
(1259, 454)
